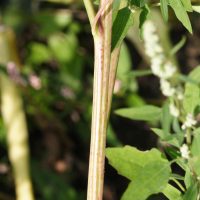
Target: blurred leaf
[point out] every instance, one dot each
(136, 73)
(195, 74)
(191, 193)
(52, 22)
(134, 100)
(59, 1)
(191, 97)
(152, 179)
(171, 192)
(181, 14)
(186, 79)
(111, 137)
(63, 46)
(176, 126)
(129, 161)
(174, 139)
(164, 10)
(147, 112)
(177, 47)
(169, 138)
(124, 65)
(138, 3)
(39, 53)
(166, 118)
(196, 8)
(144, 15)
(196, 153)
(189, 178)
(122, 23)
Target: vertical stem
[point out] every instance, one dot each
(14, 119)
(100, 101)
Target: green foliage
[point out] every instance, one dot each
(181, 13)
(147, 112)
(152, 179)
(129, 161)
(144, 15)
(196, 153)
(191, 97)
(191, 193)
(164, 10)
(121, 24)
(171, 192)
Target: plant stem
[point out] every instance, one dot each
(90, 10)
(102, 40)
(14, 119)
(180, 186)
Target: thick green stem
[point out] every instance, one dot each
(14, 119)
(100, 101)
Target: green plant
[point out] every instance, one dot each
(149, 172)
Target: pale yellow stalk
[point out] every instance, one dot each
(14, 119)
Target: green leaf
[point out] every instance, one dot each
(188, 180)
(166, 118)
(186, 79)
(195, 74)
(176, 154)
(191, 97)
(181, 13)
(171, 192)
(164, 10)
(176, 126)
(191, 193)
(179, 198)
(161, 134)
(147, 112)
(136, 73)
(187, 5)
(174, 139)
(122, 22)
(138, 3)
(177, 47)
(129, 161)
(152, 179)
(196, 153)
(196, 8)
(144, 15)
(97, 2)
(176, 176)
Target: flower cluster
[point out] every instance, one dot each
(185, 151)
(189, 122)
(160, 66)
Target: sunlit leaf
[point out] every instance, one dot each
(171, 192)
(129, 161)
(152, 179)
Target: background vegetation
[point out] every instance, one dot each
(55, 43)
